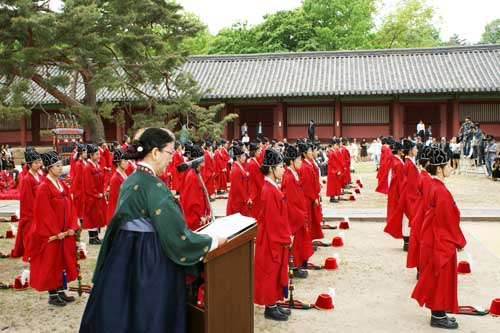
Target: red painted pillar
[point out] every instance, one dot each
(22, 138)
(278, 122)
(443, 109)
(224, 112)
(455, 117)
(236, 125)
(337, 120)
(396, 120)
(118, 131)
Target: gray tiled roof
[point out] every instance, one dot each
(376, 72)
(463, 69)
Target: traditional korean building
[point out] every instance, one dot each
(360, 94)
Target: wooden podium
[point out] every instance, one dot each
(228, 288)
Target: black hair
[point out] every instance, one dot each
(253, 153)
(432, 169)
(288, 161)
(151, 138)
(264, 169)
(423, 162)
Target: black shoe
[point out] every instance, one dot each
(332, 199)
(274, 314)
(300, 273)
(418, 275)
(335, 200)
(212, 199)
(444, 323)
(405, 247)
(315, 248)
(55, 300)
(68, 299)
(283, 310)
(95, 241)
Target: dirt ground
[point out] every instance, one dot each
(372, 285)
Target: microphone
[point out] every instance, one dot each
(191, 164)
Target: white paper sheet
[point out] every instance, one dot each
(228, 226)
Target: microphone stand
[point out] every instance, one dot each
(212, 215)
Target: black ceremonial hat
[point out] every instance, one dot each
(50, 158)
(437, 156)
(408, 145)
(31, 156)
(253, 147)
(237, 151)
(196, 151)
(118, 155)
(291, 152)
(397, 146)
(303, 147)
(92, 148)
(272, 158)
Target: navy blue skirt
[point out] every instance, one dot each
(139, 289)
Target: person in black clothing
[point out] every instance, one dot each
(310, 130)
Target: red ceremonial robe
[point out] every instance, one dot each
(208, 173)
(439, 239)
(239, 193)
(177, 176)
(310, 184)
(255, 182)
(220, 173)
(193, 201)
(383, 170)
(302, 248)
(130, 168)
(72, 165)
(114, 191)
(94, 215)
(346, 158)
(104, 163)
(394, 226)
(262, 153)
(412, 194)
(7, 182)
(334, 177)
(271, 246)
(53, 213)
(424, 185)
(77, 188)
(227, 158)
(26, 202)
(318, 210)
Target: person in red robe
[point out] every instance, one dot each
(395, 210)
(318, 209)
(94, 214)
(220, 170)
(411, 193)
(208, 170)
(334, 174)
(385, 166)
(105, 162)
(239, 200)
(272, 242)
(30, 185)
(310, 183)
(424, 185)
(193, 200)
(8, 183)
(346, 161)
(256, 180)
(76, 182)
(52, 246)
(227, 158)
(177, 159)
(440, 238)
(116, 181)
(291, 186)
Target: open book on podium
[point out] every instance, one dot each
(228, 279)
(228, 226)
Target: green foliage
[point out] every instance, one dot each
(410, 25)
(108, 45)
(237, 39)
(455, 40)
(491, 34)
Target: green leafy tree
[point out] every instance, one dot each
(133, 47)
(412, 24)
(455, 40)
(491, 34)
(237, 39)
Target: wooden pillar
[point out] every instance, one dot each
(396, 119)
(35, 127)
(443, 109)
(236, 125)
(455, 117)
(23, 134)
(337, 120)
(224, 112)
(118, 131)
(278, 121)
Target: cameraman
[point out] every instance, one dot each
(465, 134)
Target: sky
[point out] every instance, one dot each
(466, 18)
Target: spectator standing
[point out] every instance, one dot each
(244, 129)
(259, 130)
(456, 149)
(311, 129)
(491, 152)
(421, 129)
(364, 149)
(465, 135)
